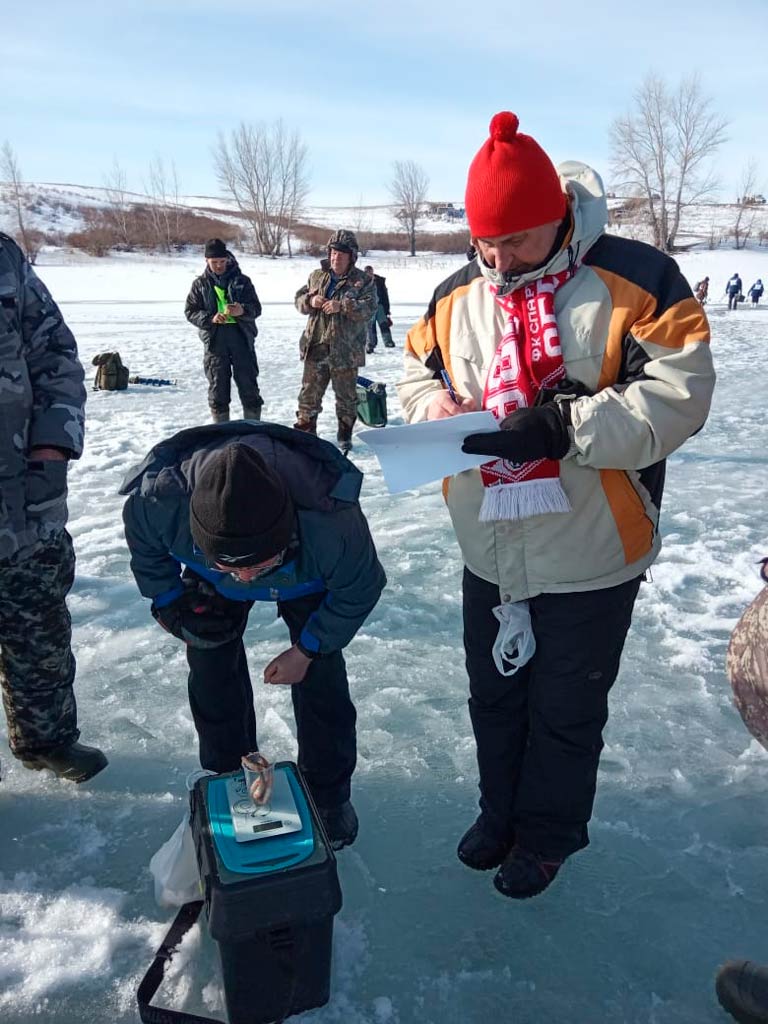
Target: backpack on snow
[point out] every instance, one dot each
(111, 375)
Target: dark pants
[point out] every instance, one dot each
(380, 318)
(37, 667)
(733, 300)
(539, 732)
(221, 699)
(231, 352)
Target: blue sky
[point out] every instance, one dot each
(366, 84)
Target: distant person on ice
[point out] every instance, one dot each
(42, 401)
(701, 290)
(381, 316)
(339, 303)
(593, 354)
(733, 291)
(259, 512)
(223, 305)
(756, 292)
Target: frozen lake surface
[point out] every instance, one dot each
(635, 926)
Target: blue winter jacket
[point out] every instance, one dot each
(333, 552)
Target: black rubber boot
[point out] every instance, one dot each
(73, 761)
(340, 824)
(742, 989)
(344, 437)
(525, 874)
(479, 851)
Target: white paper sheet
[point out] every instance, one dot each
(419, 453)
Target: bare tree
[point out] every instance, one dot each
(162, 188)
(29, 239)
(408, 187)
(661, 149)
(745, 209)
(264, 168)
(119, 209)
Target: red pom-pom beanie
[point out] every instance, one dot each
(512, 184)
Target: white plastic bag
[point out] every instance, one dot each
(174, 868)
(515, 643)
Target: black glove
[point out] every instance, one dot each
(526, 435)
(199, 620)
(389, 321)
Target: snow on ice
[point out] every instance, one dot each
(633, 930)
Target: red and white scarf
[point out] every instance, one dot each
(529, 357)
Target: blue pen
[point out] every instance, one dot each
(446, 378)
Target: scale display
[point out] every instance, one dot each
(251, 822)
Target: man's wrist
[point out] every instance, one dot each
(312, 655)
(43, 452)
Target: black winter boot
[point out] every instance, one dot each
(525, 874)
(742, 989)
(340, 824)
(344, 437)
(220, 417)
(480, 851)
(73, 761)
(252, 414)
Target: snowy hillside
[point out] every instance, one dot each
(54, 207)
(60, 209)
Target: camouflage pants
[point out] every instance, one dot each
(317, 375)
(229, 354)
(37, 667)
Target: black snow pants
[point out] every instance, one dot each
(231, 352)
(221, 699)
(539, 732)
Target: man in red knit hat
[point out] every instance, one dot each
(593, 355)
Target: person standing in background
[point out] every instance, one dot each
(381, 316)
(339, 304)
(223, 305)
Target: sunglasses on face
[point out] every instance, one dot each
(242, 566)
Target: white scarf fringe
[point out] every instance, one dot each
(518, 501)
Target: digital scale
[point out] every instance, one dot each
(282, 818)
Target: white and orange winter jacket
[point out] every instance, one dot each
(631, 331)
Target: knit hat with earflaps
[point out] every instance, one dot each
(512, 184)
(240, 507)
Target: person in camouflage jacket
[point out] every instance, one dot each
(42, 401)
(339, 303)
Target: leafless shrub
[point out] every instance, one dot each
(17, 194)
(119, 205)
(100, 235)
(745, 210)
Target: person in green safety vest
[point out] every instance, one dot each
(223, 305)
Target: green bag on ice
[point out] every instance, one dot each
(371, 402)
